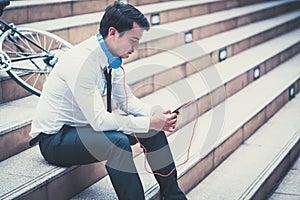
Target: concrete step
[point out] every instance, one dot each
(159, 38)
(253, 170)
(224, 79)
(148, 75)
(219, 132)
(149, 45)
(292, 50)
(245, 38)
(26, 11)
(214, 148)
(23, 12)
(176, 10)
(289, 186)
(236, 77)
(148, 79)
(12, 91)
(42, 180)
(69, 27)
(30, 172)
(15, 125)
(45, 181)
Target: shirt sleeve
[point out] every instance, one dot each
(83, 84)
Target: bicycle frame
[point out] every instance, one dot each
(10, 27)
(28, 55)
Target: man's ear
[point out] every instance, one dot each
(112, 32)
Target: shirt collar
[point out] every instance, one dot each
(102, 56)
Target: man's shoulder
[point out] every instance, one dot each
(81, 50)
(89, 44)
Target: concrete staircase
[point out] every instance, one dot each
(237, 60)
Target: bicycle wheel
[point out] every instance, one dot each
(5, 62)
(33, 54)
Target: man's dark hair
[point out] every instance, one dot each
(121, 16)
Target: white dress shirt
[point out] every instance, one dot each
(72, 95)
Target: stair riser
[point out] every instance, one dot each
(143, 2)
(10, 90)
(158, 81)
(257, 39)
(222, 151)
(269, 185)
(245, 79)
(72, 181)
(196, 10)
(283, 56)
(33, 13)
(177, 39)
(207, 164)
(207, 102)
(260, 118)
(240, 46)
(71, 33)
(211, 100)
(14, 142)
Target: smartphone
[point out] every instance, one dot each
(185, 104)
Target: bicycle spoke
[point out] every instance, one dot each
(25, 56)
(36, 80)
(9, 46)
(25, 42)
(29, 46)
(50, 45)
(31, 75)
(32, 51)
(45, 42)
(34, 39)
(59, 47)
(25, 49)
(39, 41)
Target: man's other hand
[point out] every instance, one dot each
(165, 121)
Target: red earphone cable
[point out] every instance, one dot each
(124, 86)
(144, 148)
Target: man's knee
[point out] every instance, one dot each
(120, 140)
(120, 144)
(120, 155)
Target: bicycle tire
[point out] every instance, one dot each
(5, 62)
(30, 65)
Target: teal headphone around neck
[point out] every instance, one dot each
(114, 62)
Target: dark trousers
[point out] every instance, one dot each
(82, 145)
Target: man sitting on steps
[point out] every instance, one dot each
(73, 126)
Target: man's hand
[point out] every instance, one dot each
(165, 121)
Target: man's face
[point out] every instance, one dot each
(123, 45)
